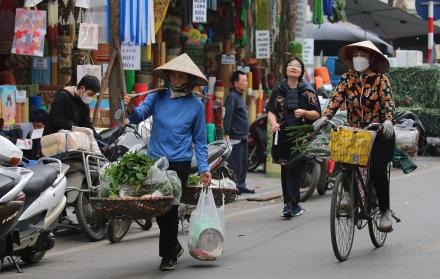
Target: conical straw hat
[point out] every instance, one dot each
(379, 62)
(184, 64)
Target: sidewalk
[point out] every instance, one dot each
(266, 188)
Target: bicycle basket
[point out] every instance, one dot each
(351, 146)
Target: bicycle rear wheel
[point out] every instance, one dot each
(342, 216)
(377, 237)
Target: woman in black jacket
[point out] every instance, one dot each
(71, 106)
(292, 103)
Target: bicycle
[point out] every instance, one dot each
(354, 204)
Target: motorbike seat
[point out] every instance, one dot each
(214, 151)
(110, 134)
(42, 179)
(7, 183)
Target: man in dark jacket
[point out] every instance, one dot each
(71, 106)
(236, 126)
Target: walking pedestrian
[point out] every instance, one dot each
(179, 122)
(294, 102)
(236, 127)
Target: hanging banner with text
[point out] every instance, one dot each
(308, 52)
(131, 56)
(262, 44)
(200, 13)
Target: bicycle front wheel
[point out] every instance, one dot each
(377, 237)
(342, 219)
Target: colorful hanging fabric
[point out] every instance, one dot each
(338, 11)
(328, 8)
(318, 12)
(160, 10)
(241, 21)
(137, 21)
(52, 23)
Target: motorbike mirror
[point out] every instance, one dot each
(118, 114)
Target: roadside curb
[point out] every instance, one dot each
(261, 197)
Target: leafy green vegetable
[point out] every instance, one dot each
(193, 180)
(131, 170)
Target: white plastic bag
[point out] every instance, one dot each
(407, 140)
(206, 229)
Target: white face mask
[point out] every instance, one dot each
(86, 99)
(360, 64)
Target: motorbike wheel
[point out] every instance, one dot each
(92, 225)
(311, 179)
(253, 158)
(322, 184)
(117, 228)
(145, 224)
(32, 256)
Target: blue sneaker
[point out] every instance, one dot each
(287, 212)
(296, 211)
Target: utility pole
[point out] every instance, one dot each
(114, 83)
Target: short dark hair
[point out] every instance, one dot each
(38, 115)
(294, 58)
(236, 76)
(90, 83)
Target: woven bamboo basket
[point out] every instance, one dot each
(132, 207)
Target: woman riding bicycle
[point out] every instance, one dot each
(366, 91)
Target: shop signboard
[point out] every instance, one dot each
(262, 42)
(301, 16)
(228, 59)
(131, 56)
(308, 51)
(200, 11)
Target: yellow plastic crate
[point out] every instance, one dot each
(351, 146)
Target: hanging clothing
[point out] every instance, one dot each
(318, 12)
(137, 22)
(328, 8)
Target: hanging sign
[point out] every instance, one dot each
(308, 52)
(262, 44)
(20, 96)
(200, 11)
(32, 3)
(131, 56)
(301, 16)
(82, 70)
(88, 36)
(30, 29)
(228, 59)
(39, 63)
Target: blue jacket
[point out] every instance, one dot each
(236, 123)
(177, 124)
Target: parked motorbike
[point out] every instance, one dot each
(44, 186)
(257, 141)
(82, 183)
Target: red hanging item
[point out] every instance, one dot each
(209, 114)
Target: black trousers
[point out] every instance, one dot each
(239, 162)
(169, 223)
(291, 178)
(381, 156)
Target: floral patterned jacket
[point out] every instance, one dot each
(368, 100)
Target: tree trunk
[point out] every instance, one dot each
(286, 34)
(115, 79)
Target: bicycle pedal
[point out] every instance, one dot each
(394, 215)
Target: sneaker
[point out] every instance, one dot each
(287, 212)
(386, 223)
(180, 251)
(167, 264)
(297, 211)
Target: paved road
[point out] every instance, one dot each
(261, 245)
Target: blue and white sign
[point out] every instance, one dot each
(422, 9)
